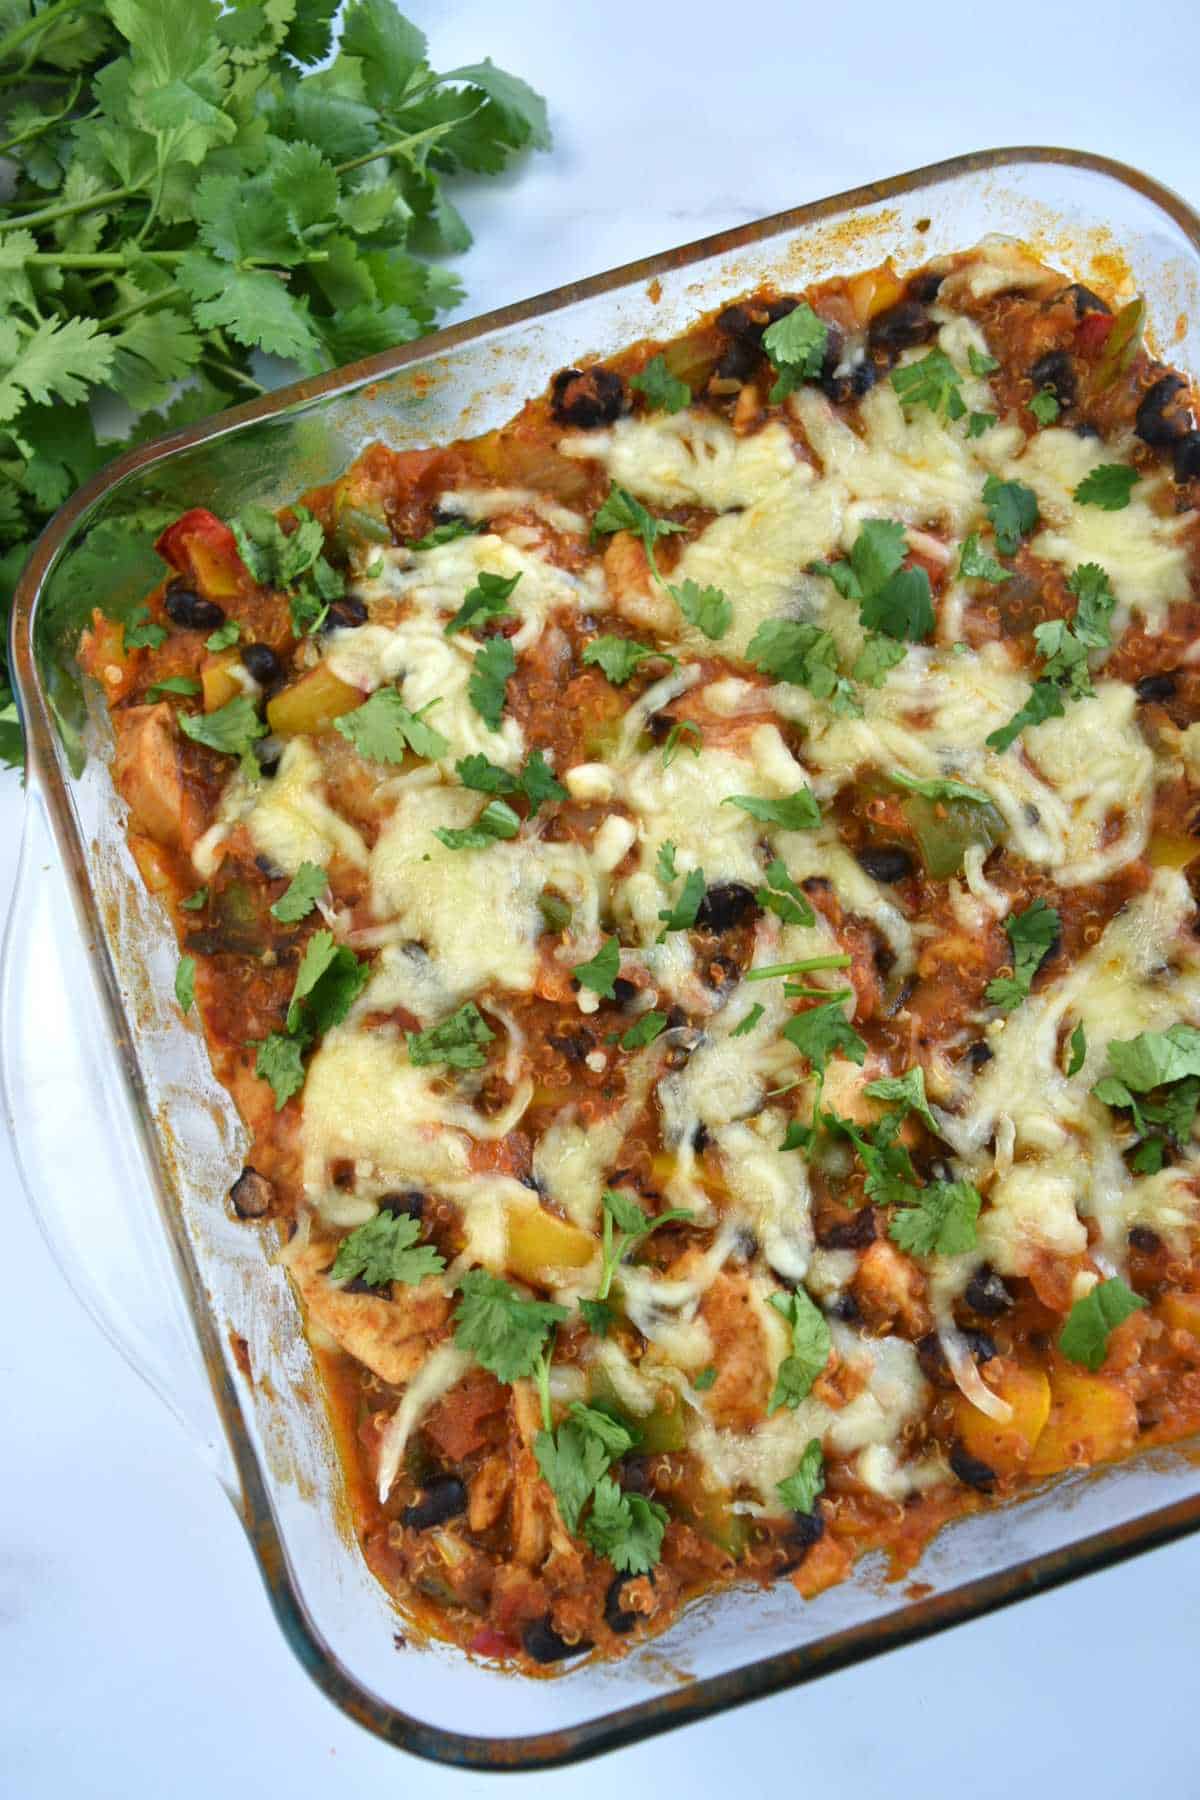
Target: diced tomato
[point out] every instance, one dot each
(199, 545)
(490, 1642)
(1092, 332)
(455, 1422)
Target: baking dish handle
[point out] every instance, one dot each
(68, 1113)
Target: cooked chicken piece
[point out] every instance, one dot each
(392, 1337)
(149, 776)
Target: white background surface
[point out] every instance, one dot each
(137, 1653)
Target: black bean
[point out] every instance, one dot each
(987, 1294)
(442, 1498)
(587, 397)
(675, 1018)
(863, 377)
(932, 1360)
(623, 991)
(747, 322)
(807, 1529)
(268, 754)
(1162, 419)
(345, 614)
(616, 1616)
(1142, 1238)
(187, 608)
(543, 1643)
(701, 1139)
(924, 288)
(263, 664)
(1055, 371)
(979, 1054)
(900, 327)
(575, 1046)
(971, 1471)
(885, 862)
(847, 1309)
(738, 362)
(251, 1194)
(1155, 687)
(410, 1205)
(1083, 300)
(1187, 456)
(745, 1244)
(725, 905)
(980, 1345)
(850, 1234)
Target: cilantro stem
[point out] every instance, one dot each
(403, 145)
(232, 374)
(166, 298)
(769, 971)
(609, 1261)
(15, 38)
(43, 125)
(541, 1374)
(67, 209)
(97, 259)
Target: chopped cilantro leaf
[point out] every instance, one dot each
(705, 608)
(488, 599)
(487, 689)
(665, 863)
(643, 1031)
(497, 820)
(1044, 406)
(799, 812)
(1078, 1054)
(878, 655)
(681, 729)
(823, 1031)
(598, 1316)
(939, 1222)
(195, 902)
(1109, 486)
(933, 382)
(619, 656)
(456, 1041)
(571, 1460)
(224, 636)
(796, 345)
(173, 684)
(800, 652)
(1013, 509)
(979, 422)
(749, 1022)
(938, 787)
(621, 512)
(909, 1089)
(1084, 1337)
(1095, 602)
(976, 565)
(231, 729)
(1031, 934)
(328, 982)
(633, 1226)
(185, 982)
(980, 362)
(799, 1491)
(681, 916)
(502, 1331)
(780, 895)
(664, 392)
(538, 785)
(1154, 1058)
(484, 776)
(304, 890)
(386, 1249)
(811, 1344)
(445, 533)
(626, 1528)
(902, 608)
(140, 632)
(705, 1379)
(280, 1061)
(1045, 701)
(601, 971)
(384, 730)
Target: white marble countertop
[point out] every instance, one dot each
(137, 1649)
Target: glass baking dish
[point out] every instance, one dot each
(127, 1145)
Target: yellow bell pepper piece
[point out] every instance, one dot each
(873, 292)
(1091, 1420)
(539, 1242)
(1181, 1312)
(218, 680)
(311, 704)
(1005, 1447)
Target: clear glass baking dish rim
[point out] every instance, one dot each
(233, 1459)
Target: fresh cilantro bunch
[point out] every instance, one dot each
(189, 189)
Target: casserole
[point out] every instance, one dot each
(187, 1126)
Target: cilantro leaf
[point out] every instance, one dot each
(824, 1031)
(749, 1022)
(488, 599)
(938, 787)
(633, 1224)
(877, 656)
(680, 729)
(1013, 509)
(618, 656)
(484, 776)
(705, 608)
(811, 1345)
(621, 512)
(800, 652)
(796, 345)
(1084, 1337)
(1095, 602)
(280, 1061)
(487, 688)
(1078, 1050)
(1109, 486)
(626, 1528)
(174, 684)
(601, 971)
(384, 730)
(503, 1332)
(598, 1316)
(445, 533)
(328, 982)
(643, 1031)
(538, 785)
(664, 392)
(665, 863)
(780, 895)
(1154, 1058)
(933, 382)
(497, 820)
(909, 1089)
(1032, 935)
(141, 633)
(976, 565)
(1044, 406)
(456, 1041)
(981, 362)
(303, 891)
(894, 600)
(231, 729)
(185, 983)
(799, 812)
(571, 1460)
(386, 1249)
(902, 608)
(1045, 701)
(939, 1222)
(224, 636)
(799, 1491)
(979, 422)
(195, 902)
(681, 916)
(705, 1379)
